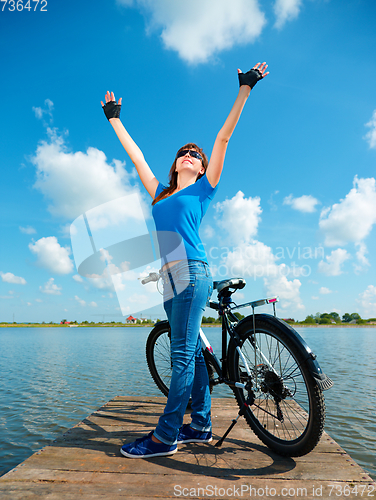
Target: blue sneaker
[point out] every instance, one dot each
(145, 447)
(189, 435)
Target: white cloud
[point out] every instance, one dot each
(351, 219)
(199, 29)
(50, 288)
(47, 110)
(305, 203)
(360, 254)
(334, 261)
(239, 216)
(363, 262)
(104, 282)
(371, 135)
(27, 230)
(286, 10)
(253, 259)
(78, 278)
(11, 278)
(208, 231)
(139, 299)
(325, 291)
(52, 256)
(80, 301)
(248, 257)
(273, 205)
(75, 182)
(368, 300)
(288, 291)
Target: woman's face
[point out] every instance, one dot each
(187, 161)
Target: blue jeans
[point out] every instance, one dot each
(184, 311)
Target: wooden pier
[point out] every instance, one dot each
(85, 463)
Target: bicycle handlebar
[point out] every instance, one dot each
(151, 277)
(215, 305)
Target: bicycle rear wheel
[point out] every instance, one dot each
(288, 411)
(158, 357)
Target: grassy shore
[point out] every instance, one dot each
(205, 325)
(55, 325)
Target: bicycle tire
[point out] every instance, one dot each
(158, 358)
(288, 412)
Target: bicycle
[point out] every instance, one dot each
(276, 379)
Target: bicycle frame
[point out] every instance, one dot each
(225, 307)
(276, 379)
(225, 311)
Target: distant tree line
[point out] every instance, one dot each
(334, 318)
(209, 320)
(312, 319)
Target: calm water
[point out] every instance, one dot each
(51, 378)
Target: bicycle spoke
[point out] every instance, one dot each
(158, 357)
(283, 396)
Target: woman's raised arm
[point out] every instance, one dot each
(112, 112)
(246, 81)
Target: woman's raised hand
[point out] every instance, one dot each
(253, 75)
(111, 108)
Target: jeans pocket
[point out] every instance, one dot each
(197, 268)
(184, 281)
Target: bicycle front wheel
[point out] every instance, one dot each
(288, 410)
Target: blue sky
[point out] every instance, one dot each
(296, 206)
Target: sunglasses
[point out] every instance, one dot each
(191, 152)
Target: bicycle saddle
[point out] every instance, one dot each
(235, 283)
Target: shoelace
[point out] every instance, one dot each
(144, 438)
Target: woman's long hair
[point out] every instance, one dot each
(173, 175)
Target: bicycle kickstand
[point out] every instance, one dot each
(242, 410)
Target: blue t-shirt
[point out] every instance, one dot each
(181, 214)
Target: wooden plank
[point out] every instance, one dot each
(86, 463)
(235, 459)
(122, 486)
(104, 486)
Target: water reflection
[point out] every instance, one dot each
(347, 356)
(51, 378)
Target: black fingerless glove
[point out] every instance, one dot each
(112, 110)
(250, 78)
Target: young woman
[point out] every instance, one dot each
(178, 209)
